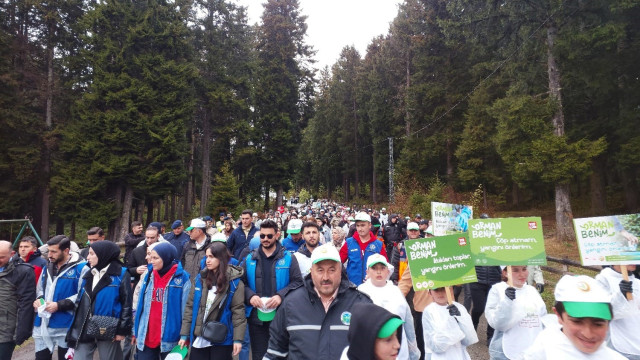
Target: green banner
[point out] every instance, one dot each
(608, 240)
(508, 241)
(440, 261)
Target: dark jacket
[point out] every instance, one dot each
(88, 299)
(303, 307)
(295, 278)
(393, 232)
(137, 257)
(17, 294)
(366, 322)
(236, 306)
(237, 241)
(130, 243)
(488, 275)
(177, 241)
(192, 256)
(34, 259)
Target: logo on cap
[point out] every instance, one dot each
(345, 318)
(583, 286)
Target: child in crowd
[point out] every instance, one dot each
(374, 334)
(625, 326)
(583, 313)
(385, 294)
(448, 329)
(515, 313)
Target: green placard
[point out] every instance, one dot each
(608, 240)
(440, 261)
(508, 241)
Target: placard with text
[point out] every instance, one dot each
(608, 240)
(450, 219)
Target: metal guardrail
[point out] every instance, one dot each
(565, 266)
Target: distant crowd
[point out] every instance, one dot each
(313, 281)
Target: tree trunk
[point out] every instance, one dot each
(206, 162)
(279, 197)
(515, 195)
(355, 141)
(149, 211)
(172, 211)
(72, 232)
(630, 189)
(189, 195)
(407, 121)
(374, 182)
(114, 225)
(126, 212)
(449, 149)
(140, 210)
(59, 226)
(564, 215)
(597, 184)
(266, 196)
(44, 209)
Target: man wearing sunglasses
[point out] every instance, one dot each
(270, 272)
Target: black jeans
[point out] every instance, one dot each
(217, 352)
(479, 294)
(47, 355)
(6, 350)
(259, 338)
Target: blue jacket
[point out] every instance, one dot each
(237, 241)
(225, 317)
(65, 287)
(357, 263)
(174, 302)
(291, 245)
(177, 241)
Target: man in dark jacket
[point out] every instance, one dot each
(194, 250)
(313, 320)
(239, 238)
(17, 293)
(29, 253)
(138, 259)
(132, 239)
(393, 232)
(177, 237)
(270, 272)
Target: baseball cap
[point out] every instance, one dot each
(383, 209)
(362, 216)
(207, 218)
(418, 216)
(325, 252)
(376, 259)
(294, 226)
(196, 223)
(219, 237)
(176, 224)
(582, 296)
(255, 214)
(389, 327)
(157, 225)
(413, 226)
(266, 314)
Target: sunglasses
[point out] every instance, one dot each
(268, 236)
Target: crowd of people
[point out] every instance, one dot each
(317, 281)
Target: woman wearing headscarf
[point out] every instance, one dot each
(103, 307)
(217, 295)
(163, 298)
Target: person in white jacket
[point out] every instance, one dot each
(579, 330)
(625, 326)
(515, 313)
(447, 329)
(387, 295)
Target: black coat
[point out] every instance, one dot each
(138, 257)
(17, 294)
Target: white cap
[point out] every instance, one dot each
(583, 296)
(413, 226)
(197, 223)
(294, 226)
(383, 209)
(362, 216)
(255, 214)
(376, 259)
(325, 252)
(219, 237)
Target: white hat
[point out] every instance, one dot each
(325, 252)
(362, 216)
(294, 226)
(383, 209)
(196, 223)
(583, 296)
(255, 214)
(219, 237)
(376, 259)
(413, 226)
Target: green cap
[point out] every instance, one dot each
(389, 327)
(587, 309)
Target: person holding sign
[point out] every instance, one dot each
(358, 248)
(514, 310)
(583, 312)
(447, 328)
(385, 294)
(626, 313)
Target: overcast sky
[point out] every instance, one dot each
(334, 24)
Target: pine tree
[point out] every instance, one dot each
(224, 192)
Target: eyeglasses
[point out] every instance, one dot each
(268, 236)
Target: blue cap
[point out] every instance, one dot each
(157, 225)
(207, 218)
(176, 224)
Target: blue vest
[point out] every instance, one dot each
(225, 317)
(107, 301)
(282, 274)
(66, 286)
(357, 265)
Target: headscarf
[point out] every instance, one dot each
(168, 254)
(106, 251)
